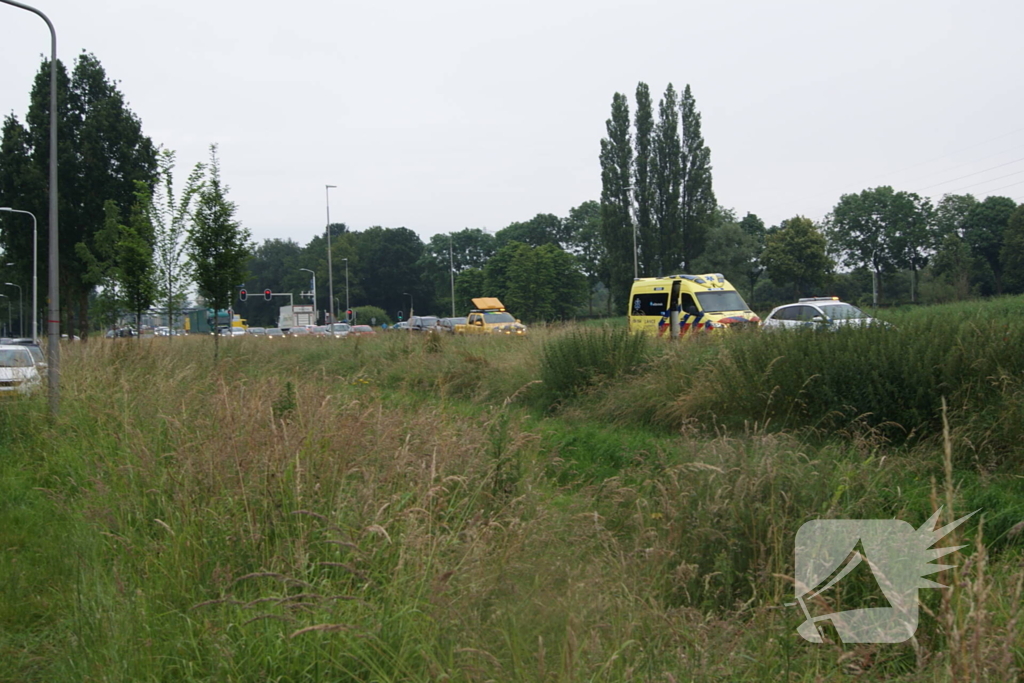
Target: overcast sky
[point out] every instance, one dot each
(449, 114)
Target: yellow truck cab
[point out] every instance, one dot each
(490, 316)
(676, 304)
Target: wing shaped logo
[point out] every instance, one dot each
(898, 557)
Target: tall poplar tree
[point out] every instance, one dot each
(697, 200)
(616, 222)
(642, 189)
(666, 181)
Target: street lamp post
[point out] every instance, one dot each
(314, 288)
(21, 308)
(53, 320)
(348, 307)
(4, 296)
(35, 270)
(330, 272)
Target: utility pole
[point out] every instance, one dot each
(330, 271)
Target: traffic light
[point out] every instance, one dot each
(267, 294)
(349, 315)
(399, 316)
(242, 294)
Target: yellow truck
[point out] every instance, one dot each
(673, 305)
(490, 317)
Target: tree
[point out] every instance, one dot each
(219, 247)
(536, 283)
(795, 253)
(730, 249)
(863, 231)
(753, 226)
(544, 228)
(1013, 251)
(616, 224)
(102, 153)
(170, 217)
(666, 181)
(984, 230)
(121, 261)
(584, 230)
(390, 267)
(274, 265)
(470, 284)
(643, 192)
(913, 238)
(697, 198)
(953, 260)
(448, 254)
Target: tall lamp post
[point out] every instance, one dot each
(21, 309)
(314, 288)
(53, 320)
(348, 307)
(330, 272)
(35, 270)
(4, 296)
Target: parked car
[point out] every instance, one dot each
(257, 331)
(342, 329)
(33, 348)
(423, 323)
(274, 332)
(818, 313)
(448, 324)
(361, 331)
(298, 332)
(18, 373)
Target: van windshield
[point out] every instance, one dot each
(717, 302)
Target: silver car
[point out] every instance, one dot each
(816, 313)
(18, 373)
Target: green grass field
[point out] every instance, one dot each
(574, 506)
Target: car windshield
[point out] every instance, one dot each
(341, 327)
(498, 317)
(843, 312)
(37, 353)
(716, 302)
(15, 358)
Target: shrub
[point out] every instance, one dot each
(584, 357)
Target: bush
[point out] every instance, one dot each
(364, 314)
(584, 357)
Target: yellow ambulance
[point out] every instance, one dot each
(674, 305)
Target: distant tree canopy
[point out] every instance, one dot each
(102, 154)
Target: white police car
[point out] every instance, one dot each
(816, 313)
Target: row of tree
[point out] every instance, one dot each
(536, 267)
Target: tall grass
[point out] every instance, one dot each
(389, 510)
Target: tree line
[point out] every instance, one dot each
(659, 216)
(128, 243)
(131, 241)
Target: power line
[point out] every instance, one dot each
(1008, 163)
(943, 156)
(966, 187)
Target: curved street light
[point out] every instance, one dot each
(53, 320)
(21, 308)
(35, 271)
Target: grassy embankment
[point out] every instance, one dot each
(575, 506)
